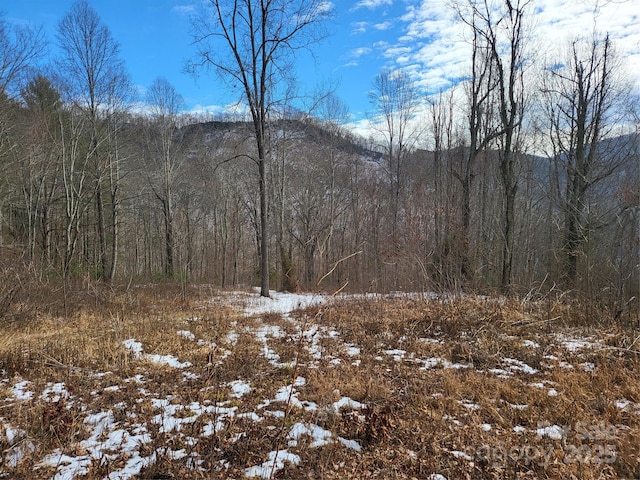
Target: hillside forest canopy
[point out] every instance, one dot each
(523, 178)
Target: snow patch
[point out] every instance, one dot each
(186, 334)
(133, 346)
(281, 302)
(239, 388)
(274, 464)
(554, 432)
(54, 392)
(319, 435)
(136, 349)
(346, 402)
(20, 391)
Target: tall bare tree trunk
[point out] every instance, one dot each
(260, 40)
(264, 224)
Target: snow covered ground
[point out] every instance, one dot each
(109, 440)
(121, 442)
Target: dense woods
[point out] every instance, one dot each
(523, 178)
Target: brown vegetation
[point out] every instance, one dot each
(464, 387)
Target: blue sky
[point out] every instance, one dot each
(155, 40)
(421, 36)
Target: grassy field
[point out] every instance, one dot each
(160, 382)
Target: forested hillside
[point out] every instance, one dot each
(185, 202)
(500, 184)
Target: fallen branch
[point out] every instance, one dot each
(335, 265)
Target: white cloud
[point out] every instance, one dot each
(359, 27)
(199, 109)
(434, 47)
(619, 19)
(383, 26)
(382, 45)
(371, 4)
(359, 52)
(234, 110)
(435, 40)
(325, 7)
(361, 127)
(184, 9)
(397, 51)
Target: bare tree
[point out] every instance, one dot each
(395, 98)
(40, 166)
(480, 87)
(74, 180)
(281, 148)
(582, 97)
(497, 103)
(252, 44)
(333, 113)
(90, 64)
(442, 133)
(166, 159)
(20, 48)
(116, 118)
(505, 39)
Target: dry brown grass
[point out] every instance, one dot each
(442, 406)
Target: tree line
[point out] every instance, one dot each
(523, 177)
